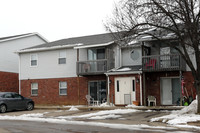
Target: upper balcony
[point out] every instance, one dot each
(171, 62)
(92, 67)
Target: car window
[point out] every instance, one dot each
(17, 96)
(8, 95)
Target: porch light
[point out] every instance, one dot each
(137, 80)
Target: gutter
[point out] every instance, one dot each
(45, 48)
(120, 73)
(94, 45)
(30, 34)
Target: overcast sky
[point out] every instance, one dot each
(54, 19)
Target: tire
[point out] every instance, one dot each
(30, 106)
(3, 108)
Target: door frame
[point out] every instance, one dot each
(173, 77)
(133, 94)
(97, 87)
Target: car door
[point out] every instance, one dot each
(9, 101)
(20, 102)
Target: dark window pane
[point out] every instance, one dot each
(133, 85)
(33, 62)
(63, 91)
(100, 53)
(62, 61)
(117, 85)
(34, 92)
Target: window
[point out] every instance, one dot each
(34, 60)
(63, 88)
(8, 95)
(133, 83)
(34, 89)
(117, 85)
(96, 54)
(135, 55)
(17, 96)
(62, 57)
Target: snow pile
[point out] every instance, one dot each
(109, 116)
(102, 114)
(131, 106)
(73, 109)
(191, 109)
(106, 105)
(183, 116)
(33, 115)
(123, 69)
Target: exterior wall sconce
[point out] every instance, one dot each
(137, 80)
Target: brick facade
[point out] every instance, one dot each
(189, 84)
(48, 90)
(112, 85)
(153, 85)
(9, 82)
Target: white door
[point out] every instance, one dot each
(166, 91)
(124, 90)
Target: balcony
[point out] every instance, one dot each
(163, 63)
(93, 67)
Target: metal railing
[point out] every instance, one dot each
(169, 62)
(91, 67)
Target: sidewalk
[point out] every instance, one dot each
(85, 107)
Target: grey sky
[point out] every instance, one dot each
(54, 19)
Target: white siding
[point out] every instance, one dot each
(48, 66)
(8, 59)
(126, 57)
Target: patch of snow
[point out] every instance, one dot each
(33, 115)
(69, 106)
(105, 117)
(99, 124)
(183, 116)
(123, 69)
(73, 109)
(131, 106)
(106, 105)
(101, 113)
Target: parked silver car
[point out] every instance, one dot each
(13, 101)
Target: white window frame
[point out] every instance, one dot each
(62, 88)
(60, 56)
(36, 60)
(32, 88)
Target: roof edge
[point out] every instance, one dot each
(94, 45)
(45, 48)
(27, 35)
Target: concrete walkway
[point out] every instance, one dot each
(84, 107)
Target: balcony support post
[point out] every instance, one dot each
(108, 90)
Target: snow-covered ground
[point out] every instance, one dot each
(175, 119)
(182, 117)
(40, 117)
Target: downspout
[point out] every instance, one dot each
(141, 90)
(120, 57)
(78, 77)
(19, 75)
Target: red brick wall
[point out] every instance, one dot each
(189, 84)
(48, 90)
(153, 83)
(9, 82)
(112, 85)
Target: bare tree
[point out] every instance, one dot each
(177, 17)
